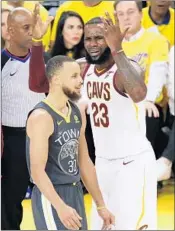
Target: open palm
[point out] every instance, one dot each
(39, 27)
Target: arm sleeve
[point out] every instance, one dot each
(37, 77)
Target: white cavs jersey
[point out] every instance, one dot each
(114, 117)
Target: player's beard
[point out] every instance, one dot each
(73, 96)
(104, 57)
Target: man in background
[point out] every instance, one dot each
(30, 5)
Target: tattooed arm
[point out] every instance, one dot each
(130, 77)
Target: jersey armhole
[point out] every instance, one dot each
(85, 70)
(115, 79)
(40, 107)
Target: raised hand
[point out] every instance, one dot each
(112, 32)
(39, 27)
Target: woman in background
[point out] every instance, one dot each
(69, 39)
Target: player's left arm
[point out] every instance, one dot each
(131, 77)
(88, 174)
(87, 169)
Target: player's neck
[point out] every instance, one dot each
(57, 99)
(106, 65)
(20, 52)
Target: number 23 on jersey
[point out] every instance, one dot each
(100, 115)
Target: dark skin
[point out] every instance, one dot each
(97, 38)
(159, 9)
(20, 28)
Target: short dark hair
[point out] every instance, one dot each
(138, 3)
(96, 20)
(55, 64)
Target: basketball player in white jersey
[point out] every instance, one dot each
(125, 161)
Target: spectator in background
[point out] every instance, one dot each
(30, 5)
(69, 38)
(87, 9)
(144, 47)
(159, 16)
(4, 33)
(17, 101)
(164, 164)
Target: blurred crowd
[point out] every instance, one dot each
(151, 45)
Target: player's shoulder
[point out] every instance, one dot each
(39, 122)
(39, 113)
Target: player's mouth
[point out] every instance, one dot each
(94, 53)
(78, 89)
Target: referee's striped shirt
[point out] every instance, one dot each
(17, 99)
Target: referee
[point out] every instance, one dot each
(17, 101)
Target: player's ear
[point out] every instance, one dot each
(56, 80)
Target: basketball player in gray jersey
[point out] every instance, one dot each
(57, 154)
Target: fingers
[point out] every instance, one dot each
(109, 20)
(73, 225)
(152, 111)
(125, 32)
(106, 224)
(36, 12)
(49, 20)
(149, 112)
(112, 220)
(116, 19)
(155, 112)
(73, 222)
(77, 219)
(80, 218)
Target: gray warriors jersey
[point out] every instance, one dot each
(62, 164)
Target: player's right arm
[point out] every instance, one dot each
(39, 128)
(37, 76)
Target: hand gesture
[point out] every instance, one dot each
(108, 218)
(39, 27)
(151, 109)
(112, 33)
(69, 217)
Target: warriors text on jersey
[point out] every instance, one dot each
(62, 163)
(114, 117)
